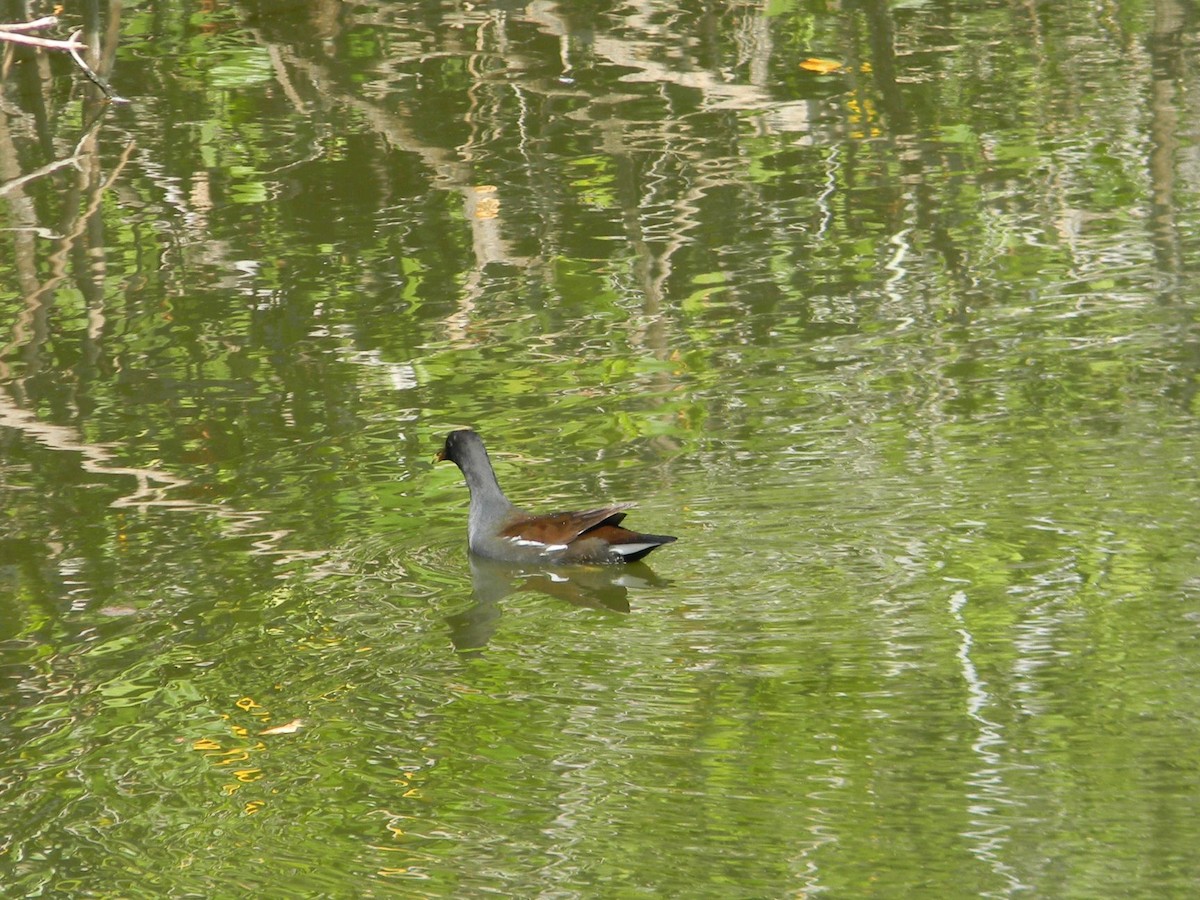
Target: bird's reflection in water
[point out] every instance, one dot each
(594, 587)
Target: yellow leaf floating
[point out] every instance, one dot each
(233, 756)
(822, 66)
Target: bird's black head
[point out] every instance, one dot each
(456, 445)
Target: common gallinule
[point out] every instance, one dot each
(498, 530)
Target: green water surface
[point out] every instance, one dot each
(901, 345)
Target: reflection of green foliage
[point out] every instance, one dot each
(363, 43)
(240, 69)
(595, 188)
(799, 25)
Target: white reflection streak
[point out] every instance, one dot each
(895, 265)
(152, 484)
(989, 836)
(831, 185)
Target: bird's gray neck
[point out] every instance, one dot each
(488, 503)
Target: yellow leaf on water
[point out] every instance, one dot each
(821, 66)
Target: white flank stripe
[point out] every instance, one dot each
(546, 548)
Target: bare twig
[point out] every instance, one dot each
(14, 33)
(8, 186)
(95, 78)
(72, 160)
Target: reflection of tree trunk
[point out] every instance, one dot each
(23, 217)
(482, 209)
(1166, 55)
(29, 330)
(1173, 19)
(758, 47)
(881, 34)
(80, 238)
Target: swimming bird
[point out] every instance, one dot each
(496, 529)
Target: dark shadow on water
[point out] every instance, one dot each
(592, 587)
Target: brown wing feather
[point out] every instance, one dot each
(611, 533)
(564, 527)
